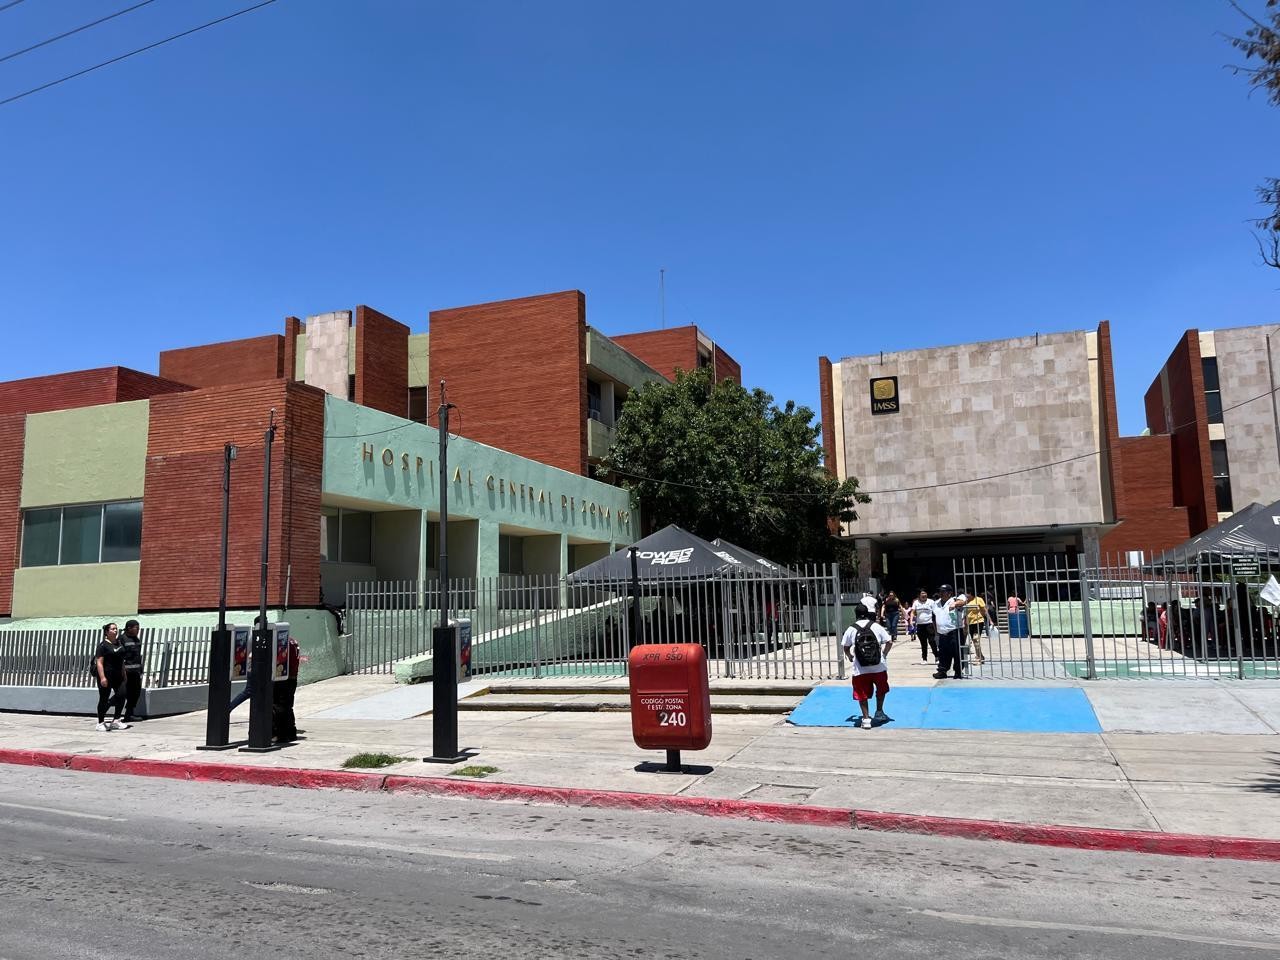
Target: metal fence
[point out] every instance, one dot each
(1130, 615)
(172, 656)
(757, 626)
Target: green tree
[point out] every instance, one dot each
(724, 461)
(1261, 48)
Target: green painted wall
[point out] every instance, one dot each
(105, 590)
(372, 458)
(611, 360)
(85, 455)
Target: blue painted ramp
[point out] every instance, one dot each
(1010, 710)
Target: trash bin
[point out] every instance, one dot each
(1019, 625)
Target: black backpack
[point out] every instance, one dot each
(866, 646)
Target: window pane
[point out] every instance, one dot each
(81, 534)
(122, 531)
(1218, 448)
(1210, 367)
(1214, 403)
(329, 534)
(40, 537)
(1222, 486)
(593, 400)
(357, 537)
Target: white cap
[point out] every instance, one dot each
(868, 604)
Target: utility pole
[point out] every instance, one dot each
(444, 638)
(262, 674)
(218, 718)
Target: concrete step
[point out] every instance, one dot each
(616, 703)
(735, 688)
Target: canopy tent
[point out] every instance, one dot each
(672, 552)
(1251, 532)
(749, 557)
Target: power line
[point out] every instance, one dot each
(11, 3)
(133, 53)
(778, 494)
(63, 36)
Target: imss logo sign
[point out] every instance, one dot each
(884, 395)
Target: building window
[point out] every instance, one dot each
(346, 536)
(1212, 391)
(351, 387)
(1221, 475)
(84, 533)
(418, 404)
(593, 400)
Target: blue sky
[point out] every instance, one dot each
(816, 178)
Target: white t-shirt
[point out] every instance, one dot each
(922, 611)
(945, 615)
(885, 641)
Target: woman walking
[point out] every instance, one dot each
(920, 616)
(108, 671)
(891, 611)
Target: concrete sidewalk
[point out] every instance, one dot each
(1219, 783)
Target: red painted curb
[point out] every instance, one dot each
(1081, 838)
(620, 800)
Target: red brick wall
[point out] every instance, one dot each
(289, 352)
(727, 368)
(13, 427)
(135, 385)
(517, 371)
(382, 362)
(664, 350)
(828, 416)
(182, 502)
(1150, 519)
(1112, 455)
(1192, 463)
(83, 388)
(221, 364)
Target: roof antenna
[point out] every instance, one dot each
(662, 295)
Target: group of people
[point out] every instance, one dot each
(117, 667)
(939, 622)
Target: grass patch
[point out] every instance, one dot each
(475, 770)
(372, 760)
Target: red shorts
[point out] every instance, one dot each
(863, 684)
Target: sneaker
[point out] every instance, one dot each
(939, 676)
(119, 725)
(881, 717)
(103, 728)
(866, 723)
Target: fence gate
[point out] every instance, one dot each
(752, 625)
(1133, 615)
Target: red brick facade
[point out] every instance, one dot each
(516, 370)
(220, 364)
(1192, 462)
(1150, 519)
(84, 388)
(293, 327)
(676, 349)
(13, 428)
(828, 416)
(182, 504)
(382, 362)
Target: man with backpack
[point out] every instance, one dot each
(867, 645)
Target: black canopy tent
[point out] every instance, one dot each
(671, 553)
(1253, 532)
(751, 557)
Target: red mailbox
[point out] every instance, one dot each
(670, 698)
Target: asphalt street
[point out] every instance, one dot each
(128, 867)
